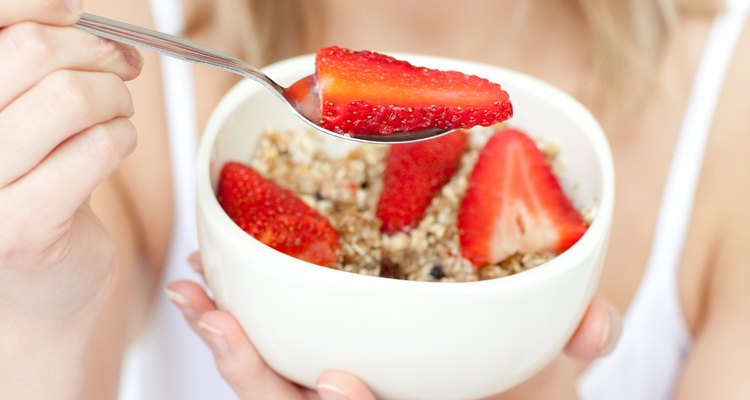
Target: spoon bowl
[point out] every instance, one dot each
(301, 97)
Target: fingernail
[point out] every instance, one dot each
(132, 56)
(182, 302)
(194, 263)
(73, 5)
(612, 328)
(330, 392)
(176, 297)
(215, 338)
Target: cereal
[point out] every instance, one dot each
(345, 189)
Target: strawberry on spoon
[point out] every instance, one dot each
(366, 93)
(276, 216)
(514, 204)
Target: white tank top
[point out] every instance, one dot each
(168, 361)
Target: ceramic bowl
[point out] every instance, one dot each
(405, 339)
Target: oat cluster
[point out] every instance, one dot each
(345, 189)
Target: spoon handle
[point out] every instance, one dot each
(172, 46)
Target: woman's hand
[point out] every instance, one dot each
(242, 367)
(64, 128)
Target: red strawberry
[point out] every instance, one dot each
(514, 204)
(362, 92)
(414, 173)
(276, 216)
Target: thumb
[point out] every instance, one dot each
(597, 333)
(334, 385)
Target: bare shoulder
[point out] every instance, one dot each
(727, 170)
(732, 125)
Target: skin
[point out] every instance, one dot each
(133, 200)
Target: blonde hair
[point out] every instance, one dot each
(628, 36)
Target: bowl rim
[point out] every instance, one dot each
(598, 230)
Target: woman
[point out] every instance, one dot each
(691, 300)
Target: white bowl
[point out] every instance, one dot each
(405, 339)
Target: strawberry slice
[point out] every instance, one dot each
(414, 173)
(276, 216)
(362, 92)
(514, 204)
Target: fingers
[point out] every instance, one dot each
(220, 331)
(191, 299)
(55, 12)
(237, 360)
(598, 332)
(246, 372)
(340, 386)
(31, 51)
(63, 104)
(53, 191)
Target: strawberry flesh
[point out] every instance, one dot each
(362, 92)
(514, 204)
(414, 173)
(276, 216)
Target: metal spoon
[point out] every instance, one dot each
(303, 101)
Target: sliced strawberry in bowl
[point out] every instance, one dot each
(363, 92)
(515, 204)
(276, 216)
(414, 173)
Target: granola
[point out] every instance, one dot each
(345, 188)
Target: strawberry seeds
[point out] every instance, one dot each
(363, 92)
